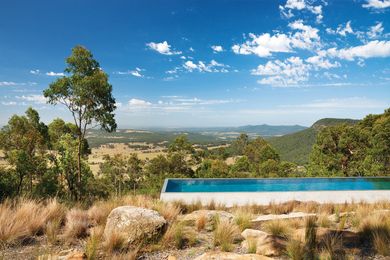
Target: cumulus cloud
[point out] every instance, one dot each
(217, 48)
(137, 72)
(54, 74)
(320, 62)
(341, 30)
(264, 45)
(200, 66)
(300, 5)
(370, 50)
(377, 4)
(283, 73)
(162, 48)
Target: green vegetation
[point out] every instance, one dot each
(296, 147)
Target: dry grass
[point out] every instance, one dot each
(243, 219)
(169, 211)
(332, 246)
(252, 246)
(93, 241)
(76, 225)
(179, 236)
(323, 221)
(376, 229)
(26, 218)
(99, 212)
(131, 255)
(201, 222)
(295, 250)
(114, 242)
(225, 235)
(277, 228)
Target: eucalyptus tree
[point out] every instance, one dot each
(87, 94)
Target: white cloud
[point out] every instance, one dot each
(283, 73)
(213, 66)
(134, 102)
(217, 48)
(35, 72)
(370, 50)
(55, 74)
(375, 31)
(136, 72)
(377, 4)
(8, 83)
(341, 30)
(162, 48)
(320, 62)
(37, 99)
(9, 103)
(264, 45)
(300, 5)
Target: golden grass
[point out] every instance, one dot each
(26, 218)
(332, 246)
(114, 242)
(295, 250)
(93, 242)
(225, 235)
(243, 219)
(169, 211)
(76, 225)
(323, 221)
(179, 235)
(277, 228)
(201, 222)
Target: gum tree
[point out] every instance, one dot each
(87, 94)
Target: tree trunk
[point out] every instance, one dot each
(79, 168)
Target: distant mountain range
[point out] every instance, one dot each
(296, 147)
(261, 130)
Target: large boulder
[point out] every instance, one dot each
(293, 215)
(230, 256)
(210, 215)
(135, 224)
(266, 244)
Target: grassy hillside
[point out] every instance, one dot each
(296, 147)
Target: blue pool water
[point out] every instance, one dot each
(290, 184)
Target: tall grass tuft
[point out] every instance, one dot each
(225, 235)
(243, 219)
(201, 222)
(179, 236)
(93, 241)
(295, 250)
(114, 242)
(76, 225)
(310, 237)
(277, 228)
(332, 245)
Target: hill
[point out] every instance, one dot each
(296, 147)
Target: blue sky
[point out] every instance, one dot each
(204, 63)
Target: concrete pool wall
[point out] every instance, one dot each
(265, 197)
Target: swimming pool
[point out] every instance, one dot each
(264, 191)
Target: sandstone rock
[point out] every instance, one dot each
(266, 244)
(134, 223)
(192, 218)
(172, 257)
(76, 256)
(292, 215)
(230, 256)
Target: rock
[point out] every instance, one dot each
(292, 215)
(76, 256)
(172, 257)
(135, 223)
(193, 217)
(266, 244)
(253, 233)
(336, 218)
(230, 256)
